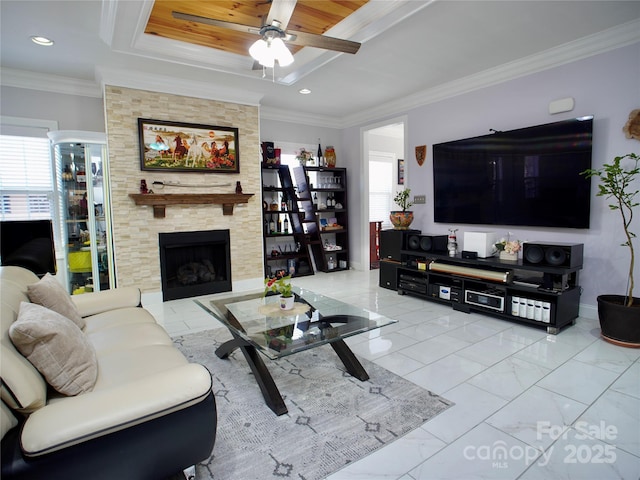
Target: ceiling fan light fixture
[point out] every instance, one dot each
(261, 53)
(269, 49)
(281, 52)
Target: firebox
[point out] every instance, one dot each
(194, 263)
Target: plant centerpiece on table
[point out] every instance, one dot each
(401, 219)
(280, 284)
(620, 314)
(508, 249)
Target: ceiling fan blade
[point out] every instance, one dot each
(281, 11)
(216, 23)
(322, 41)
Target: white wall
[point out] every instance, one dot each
(275, 130)
(607, 86)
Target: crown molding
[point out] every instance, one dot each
(167, 84)
(607, 40)
(108, 14)
(311, 119)
(49, 83)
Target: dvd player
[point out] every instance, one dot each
(494, 300)
(412, 283)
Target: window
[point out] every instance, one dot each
(26, 178)
(27, 174)
(381, 174)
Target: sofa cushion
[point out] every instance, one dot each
(56, 347)
(22, 388)
(106, 300)
(116, 319)
(49, 293)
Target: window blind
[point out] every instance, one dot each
(380, 189)
(26, 178)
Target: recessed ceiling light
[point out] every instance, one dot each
(305, 91)
(44, 41)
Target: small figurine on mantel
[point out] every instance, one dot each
(238, 187)
(143, 186)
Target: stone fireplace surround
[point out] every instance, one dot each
(135, 230)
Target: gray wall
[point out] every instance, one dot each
(276, 130)
(72, 112)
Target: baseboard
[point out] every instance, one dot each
(588, 311)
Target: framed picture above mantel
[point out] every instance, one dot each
(168, 146)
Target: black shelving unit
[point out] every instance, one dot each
(322, 194)
(284, 249)
(539, 295)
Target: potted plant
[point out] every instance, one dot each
(280, 284)
(401, 219)
(304, 156)
(508, 249)
(620, 314)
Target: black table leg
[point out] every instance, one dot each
(353, 366)
(268, 387)
(227, 348)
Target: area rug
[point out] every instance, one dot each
(333, 420)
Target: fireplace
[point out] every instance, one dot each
(194, 263)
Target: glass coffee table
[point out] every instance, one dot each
(259, 326)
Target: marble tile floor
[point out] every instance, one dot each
(528, 405)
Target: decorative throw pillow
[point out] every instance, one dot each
(56, 347)
(49, 293)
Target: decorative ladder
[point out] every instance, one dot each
(309, 221)
(295, 219)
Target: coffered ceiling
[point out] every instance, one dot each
(310, 16)
(413, 51)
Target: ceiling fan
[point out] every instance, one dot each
(273, 34)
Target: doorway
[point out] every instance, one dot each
(384, 151)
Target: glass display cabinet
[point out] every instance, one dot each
(85, 209)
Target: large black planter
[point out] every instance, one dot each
(619, 324)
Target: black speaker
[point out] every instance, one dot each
(392, 241)
(568, 255)
(427, 243)
(389, 275)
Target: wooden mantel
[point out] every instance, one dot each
(160, 200)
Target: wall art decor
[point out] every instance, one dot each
(169, 146)
(421, 154)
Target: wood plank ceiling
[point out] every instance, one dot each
(311, 16)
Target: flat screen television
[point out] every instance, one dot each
(525, 177)
(28, 244)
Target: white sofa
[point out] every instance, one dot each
(150, 414)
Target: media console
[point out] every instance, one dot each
(542, 295)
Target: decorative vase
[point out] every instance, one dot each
(330, 157)
(286, 303)
(401, 220)
(508, 256)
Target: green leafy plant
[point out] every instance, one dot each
(402, 199)
(278, 284)
(616, 182)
